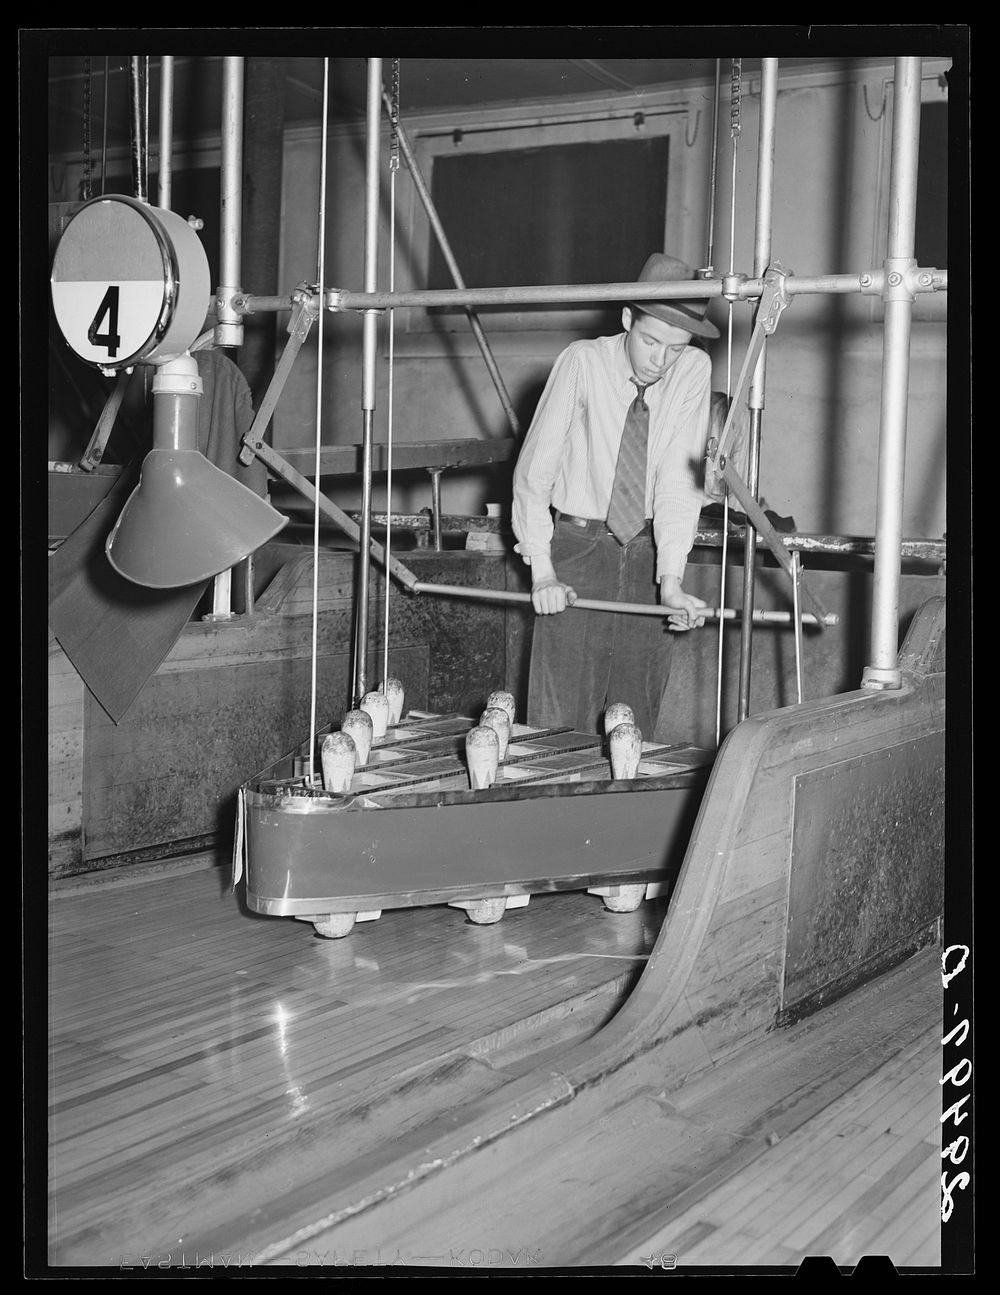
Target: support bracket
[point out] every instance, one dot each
(304, 313)
(773, 301)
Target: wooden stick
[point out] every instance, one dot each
(636, 609)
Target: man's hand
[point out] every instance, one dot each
(548, 593)
(687, 610)
(551, 595)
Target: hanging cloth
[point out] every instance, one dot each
(117, 634)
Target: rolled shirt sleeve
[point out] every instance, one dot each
(542, 462)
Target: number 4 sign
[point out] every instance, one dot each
(130, 283)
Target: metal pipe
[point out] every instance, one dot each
(439, 232)
(710, 248)
(755, 401)
(104, 128)
(283, 469)
(164, 172)
(840, 545)
(369, 342)
(630, 609)
(749, 570)
(867, 282)
(796, 612)
(228, 328)
(137, 126)
(883, 670)
(436, 506)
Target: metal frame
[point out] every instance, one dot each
(897, 282)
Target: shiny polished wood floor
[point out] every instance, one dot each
(208, 1068)
(189, 1038)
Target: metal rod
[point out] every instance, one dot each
(164, 170)
(749, 571)
(762, 258)
(369, 341)
(798, 627)
(436, 505)
(710, 247)
(883, 670)
(320, 279)
(844, 545)
(104, 128)
(630, 609)
(94, 452)
(867, 282)
(298, 329)
(439, 232)
(281, 468)
(228, 328)
(137, 125)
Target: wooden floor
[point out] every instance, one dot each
(212, 1073)
(860, 1177)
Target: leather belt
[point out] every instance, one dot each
(595, 525)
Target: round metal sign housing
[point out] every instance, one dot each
(130, 283)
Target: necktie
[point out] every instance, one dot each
(627, 510)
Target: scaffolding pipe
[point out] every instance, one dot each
(868, 282)
(228, 328)
(138, 123)
(755, 400)
(423, 193)
(369, 342)
(164, 172)
(710, 242)
(883, 670)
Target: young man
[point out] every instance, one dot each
(631, 409)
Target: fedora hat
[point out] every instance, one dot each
(689, 315)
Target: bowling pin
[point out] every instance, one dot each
(496, 718)
(625, 745)
(339, 756)
(505, 700)
(617, 713)
(393, 689)
(377, 706)
(358, 723)
(482, 753)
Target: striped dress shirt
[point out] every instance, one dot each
(570, 451)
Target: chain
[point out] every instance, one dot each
(736, 91)
(87, 183)
(394, 118)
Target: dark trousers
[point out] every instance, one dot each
(582, 660)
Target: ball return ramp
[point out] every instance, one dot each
(815, 867)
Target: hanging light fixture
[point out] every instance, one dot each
(130, 285)
(186, 520)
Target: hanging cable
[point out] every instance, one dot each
(713, 171)
(320, 276)
(735, 93)
(104, 127)
(87, 81)
(393, 168)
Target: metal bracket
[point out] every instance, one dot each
(304, 312)
(94, 452)
(773, 300)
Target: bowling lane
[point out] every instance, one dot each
(193, 1044)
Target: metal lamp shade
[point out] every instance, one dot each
(186, 521)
